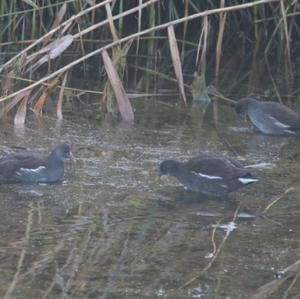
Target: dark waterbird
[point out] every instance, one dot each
(269, 117)
(210, 174)
(31, 167)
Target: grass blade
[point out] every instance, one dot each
(11, 104)
(20, 116)
(31, 3)
(176, 61)
(61, 97)
(42, 99)
(112, 27)
(59, 17)
(55, 49)
(8, 81)
(222, 19)
(124, 105)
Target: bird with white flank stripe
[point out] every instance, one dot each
(270, 117)
(210, 174)
(31, 167)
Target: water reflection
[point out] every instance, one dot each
(114, 229)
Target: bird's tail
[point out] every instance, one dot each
(249, 179)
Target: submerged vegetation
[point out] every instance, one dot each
(113, 229)
(205, 47)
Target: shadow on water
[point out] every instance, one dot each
(114, 229)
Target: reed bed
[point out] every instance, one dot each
(136, 45)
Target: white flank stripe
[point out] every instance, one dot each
(278, 123)
(289, 131)
(212, 177)
(32, 170)
(247, 180)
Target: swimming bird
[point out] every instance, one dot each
(269, 117)
(32, 167)
(210, 174)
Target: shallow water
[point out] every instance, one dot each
(114, 229)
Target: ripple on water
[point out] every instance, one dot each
(113, 229)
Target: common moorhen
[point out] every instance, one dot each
(270, 117)
(210, 174)
(34, 167)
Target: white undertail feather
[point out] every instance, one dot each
(248, 180)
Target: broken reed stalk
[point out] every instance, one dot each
(112, 27)
(277, 198)
(26, 240)
(213, 236)
(116, 17)
(139, 26)
(289, 289)
(202, 42)
(75, 260)
(288, 39)
(271, 287)
(216, 253)
(135, 35)
(130, 95)
(158, 74)
(124, 105)
(273, 80)
(61, 97)
(20, 115)
(222, 20)
(81, 33)
(42, 99)
(176, 61)
(185, 24)
(51, 32)
(58, 20)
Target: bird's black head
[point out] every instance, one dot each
(169, 167)
(62, 151)
(241, 106)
